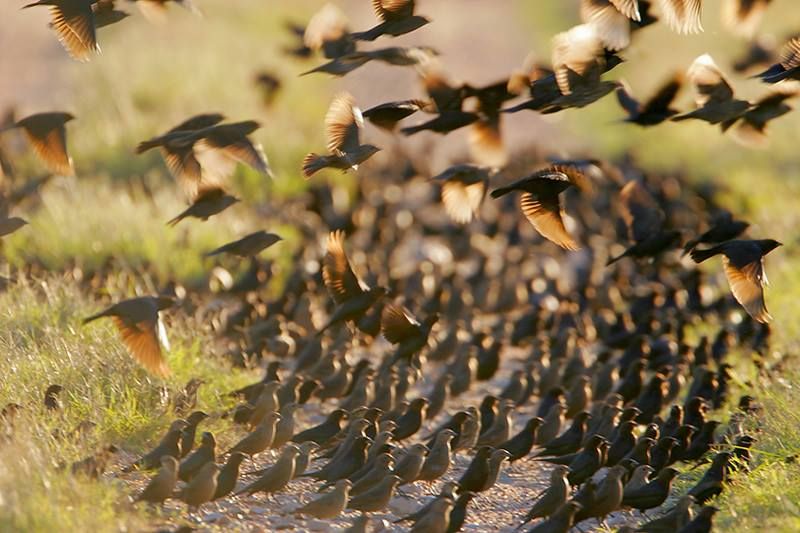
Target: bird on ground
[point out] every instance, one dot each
(260, 439)
(202, 487)
(570, 440)
(713, 480)
(248, 246)
(540, 202)
(47, 135)
(163, 483)
(189, 432)
(674, 520)
(205, 453)
(343, 124)
(186, 399)
(476, 473)
(520, 445)
(229, 475)
(561, 521)
(436, 520)
(142, 330)
(743, 262)
(377, 498)
(703, 522)
(323, 432)
(170, 445)
(276, 477)
(438, 460)
(653, 493)
(329, 505)
(607, 498)
(94, 465)
(552, 498)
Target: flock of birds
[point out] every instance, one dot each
(614, 391)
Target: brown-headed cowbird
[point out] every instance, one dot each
(169, 445)
(327, 31)
(411, 421)
(437, 462)
(94, 465)
(436, 520)
(743, 261)
(141, 329)
(323, 432)
(410, 464)
(560, 521)
(343, 123)
(653, 494)
(329, 505)
(500, 430)
(476, 473)
(346, 466)
(386, 116)
(261, 438)
(552, 423)
(702, 523)
(229, 475)
(400, 328)
(276, 477)
(682, 16)
(724, 228)
(654, 111)
(51, 400)
(672, 521)
(209, 201)
(552, 498)
(189, 432)
(395, 55)
(495, 464)
(186, 399)
(715, 99)
(74, 24)
(377, 498)
(520, 445)
(397, 18)
(463, 189)
(788, 67)
(607, 498)
(586, 462)
(714, 479)
(570, 440)
(8, 224)
(611, 20)
(47, 135)
(163, 483)
(248, 246)
(205, 453)
(202, 487)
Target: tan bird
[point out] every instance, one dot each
(437, 519)
(202, 487)
(276, 477)
(463, 190)
(329, 505)
(47, 135)
(141, 329)
(261, 438)
(163, 483)
(8, 224)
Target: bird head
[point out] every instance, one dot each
(165, 302)
(767, 245)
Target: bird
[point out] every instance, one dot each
(394, 55)
(611, 20)
(329, 505)
(724, 228)
(552, 498)
(751, 128)
(743, 262)
(494, 464)
(458, 515)
(403, 330)
(408, 467)
(169, 445)
(202, 487)
(186, 399)
(655, 110)
(51, 400)
(352, 296)
(412, 419)
(341, 468)
(95, 465)
(248, 246)
(276, 477)
(715, 99)
(303, 459)
(438, 460)
(377, 498)
(653, 493)
(788, 66)
(142, 331)
(189, 432)
(161, 486)
(608, 496)
(702, 522)
(327, 31)
(343, 123)
(397, 18)
(463, 189)
(713, 480)
(476, 473)
(387, 115)
(500, 430)
(437, 519)
(570, 440)
(261, 438)
(382, 466)
(646, 223)
(195, 461)
(209, 201)
(674, 520)
(47, 135)
(228, 475)
(9, 224)
(74, 24)
(323, 432)
(520, 445)
(540, 201)
(586, 462)
(560, 521)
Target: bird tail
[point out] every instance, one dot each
(502, 191)
(698, 256)
(411, 130)
(313, 163)
(147, 145)
(174, 222)
(689, 246)
(369, 35)
(216, 251)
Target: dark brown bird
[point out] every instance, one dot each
(268, 86)
(329, 505)
(788, 66)
(229, 475)
(386, 116)
(327, 31)
(397, 18)
(540, 203)
(210, 201)
(410, 422)
(377, 498)
(552, 498)
(724, 228)
(74, 24)
(51, 400)
(403, 330)
(702, 523)
(106, 13)
(520, 445)
(645, 221)
(463, 190)
(395, 55)
(607, 498)
(8, 224)
(170, 445)
(570, 440)
(343, 123)
(560, 521)
(751, 129)
(672, 521)
(476, 473)
(202, 487)
(653, 494)
(743, 261)
(352, 296)
(655, 110)
(163, 483)
(248, 246)
(142, 331)
(713, 480)
(205, 453)
(715, 98)
(187, 436)
(323, 432)
(47, 135)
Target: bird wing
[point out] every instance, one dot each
(198, 122)
(747, 285)
(629, 8)
(4, 207)
(389, 10)
(664, 96)
(48, 137)
(73, 23)
(629, 103)
(444, 95)
(142, 340)
(327, 24)
(683, 16)
(337, 274)
(462, 200)
(790, 54)
(342, 123)
(709, 81)
(575, 50)
(398, 324)
(231, 140)
(640, 211)
(612, 26)
(544, 212)
(184, 166)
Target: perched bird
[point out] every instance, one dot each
(170, 445)
(570, 440)
(344, 467)
(437, 462)
(655, 110)
(436, 520)
(476, 473)
(520, 445)
(788, 67)
(411, 421)
(397, 18)
(607, 498)
(702, 523)
(540, 203)
(260, 439)
(463, 189)
(409, 465)
(8, 224)
(715, 97)
(229, 475)
(724, 228)
(494, 464)
(653, 493)
(382, 466)
(323, 432)
(743, 261)
(646, 223)
(74, 24)
(458, 516)
(674, 520)
(552, 498)
(189, 432)
(47, 135)
(276, 477)
(163, 483)
(713, 480)
(209, 201)
(329, 505)
(377, 498)
(561, 521)
(342, 128)
(142, 331)
(202, 487)
(205, 453)
(248, 246)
